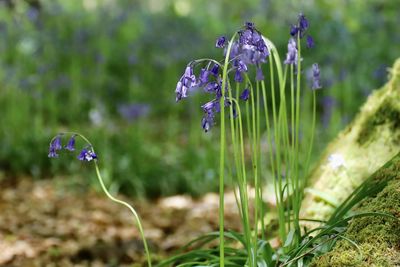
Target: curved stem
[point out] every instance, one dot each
(112, 198)
(139, 224)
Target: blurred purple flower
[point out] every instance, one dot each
(241, 66)
(54, 146)
(303, 23)
(203, 77)
(238, 76)
(245, 94)
(316, 77)
(220, 43)
(133, 111)
(71, 143)
(310, 41)
(207, 122)
(32, 13)
(294, 30)
(328, 103)
(291, 56)
(185, 83)
(87, 155)
(215, 70)
(300, 28)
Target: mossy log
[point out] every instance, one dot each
(367, 143)
(376, 238)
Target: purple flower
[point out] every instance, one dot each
(87, 155)
(220, 43)
(207, 122)
(310, 41)
(294, 30)
(215, 70)
(291, 56)
(212, 87)
(241, 66)
(52, 153)
(131, 112)
(203, 77)
(259, 74)
(316, 77)
(210, 106)
(245, 94)
(249, 25)
(54, 146)
(187, 81)
(71, 143)
(300, 28)
(238, 76)
(303, 23)
(252, 48)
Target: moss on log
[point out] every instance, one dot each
(368, 142)
(377, 237)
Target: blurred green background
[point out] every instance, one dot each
(108, 69)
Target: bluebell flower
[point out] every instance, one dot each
(54, 146)
(241, 66)
(253, 49)
(249, 48)
(291, 56)
(57, 142)
(316, 77)
(294, 30)
(207, 122)
(303, 23)
(249, 25)
(238, 76)
(210, 106)
(187, 81)
(220, 43)
(212, 87)
(301, 27)
(310, 41)
(71, 143)
(87, 155)
(203, 77)
(52, 153)
(215, 70)
(245, 94)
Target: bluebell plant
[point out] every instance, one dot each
(239, 83)
(87, 154)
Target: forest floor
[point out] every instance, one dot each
(46, 223)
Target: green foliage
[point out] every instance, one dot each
(72, 65)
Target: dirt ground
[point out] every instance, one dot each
(46, 223)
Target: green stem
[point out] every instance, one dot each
(310, 146)
(297, 178)
(222, 157)
(130, 208)
(112, 198)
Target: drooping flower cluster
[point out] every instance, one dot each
(86, 154)
(316, 77)
(248, 49)
(298, 30)
(291, 56)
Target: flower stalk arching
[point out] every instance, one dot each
(282, 122)
(93, 157)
